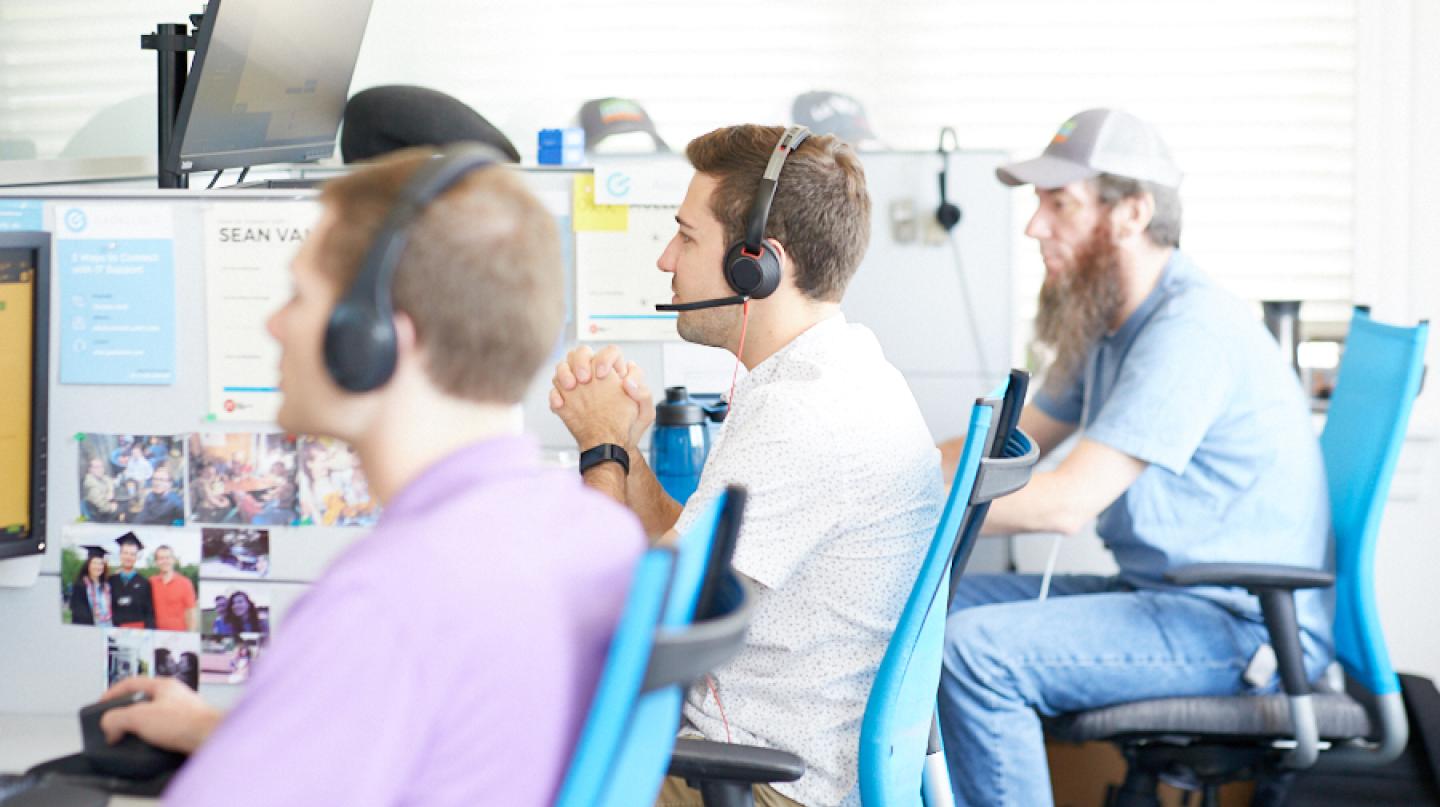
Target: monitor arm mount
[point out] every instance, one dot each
(172, 43)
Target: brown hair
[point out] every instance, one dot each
(481, 274)
(821, 212)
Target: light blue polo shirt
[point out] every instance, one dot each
(1193, 385)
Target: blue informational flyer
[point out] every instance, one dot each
(21, 214)
(116, 267)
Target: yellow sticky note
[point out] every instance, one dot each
(592, 217)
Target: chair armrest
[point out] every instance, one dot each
(1007, 473)
(1275, 585)
(705, 760)
(1250, 576)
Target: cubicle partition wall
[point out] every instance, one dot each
(180, 356)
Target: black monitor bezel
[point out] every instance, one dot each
(293, 153)
(39, 242)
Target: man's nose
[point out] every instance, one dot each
(1038, 226)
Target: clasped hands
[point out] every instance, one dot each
(602, 398)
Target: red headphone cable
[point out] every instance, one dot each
(710, 682)
(739, 353)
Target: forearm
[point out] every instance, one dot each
(1064, 500)
(609, 479)
(657, 511)
(1046, 504)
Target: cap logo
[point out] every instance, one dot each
(618, 109)
(1066, 129)
(619, 116)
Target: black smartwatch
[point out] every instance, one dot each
(605, 452)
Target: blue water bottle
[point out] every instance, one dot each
(680, 443)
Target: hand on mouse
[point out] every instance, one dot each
(175, 718)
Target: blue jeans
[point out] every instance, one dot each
(1093, 643)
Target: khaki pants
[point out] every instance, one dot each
(675, 793)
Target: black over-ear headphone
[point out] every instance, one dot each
(360, 339)
(752, 266)
(948, 214)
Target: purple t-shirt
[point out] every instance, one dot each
(448, 658)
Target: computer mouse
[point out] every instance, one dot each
(132, 757)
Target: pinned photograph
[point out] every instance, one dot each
(242, 478)
(85, 597)
(234, 552)
(177, 655)
(333, 490)
(128, 653)
(229, 609)
(228, 659)
(140, 578)
(131, 479)
(149, 653)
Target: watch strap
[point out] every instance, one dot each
(605, 452)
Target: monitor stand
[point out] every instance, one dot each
(172, 43)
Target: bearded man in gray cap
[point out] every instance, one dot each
(1195, 445)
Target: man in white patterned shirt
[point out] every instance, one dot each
(844, 483)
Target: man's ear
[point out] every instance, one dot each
(1133, 214)
(787, 270)
(407, 339)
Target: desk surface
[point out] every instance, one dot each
(29, 739)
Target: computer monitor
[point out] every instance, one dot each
(24, 379)
(268, 83)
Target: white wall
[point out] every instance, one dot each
(1404, 165)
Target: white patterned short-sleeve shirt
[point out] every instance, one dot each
(844, 496)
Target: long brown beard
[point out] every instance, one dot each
(1077, 307)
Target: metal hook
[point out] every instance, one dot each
(954, 140)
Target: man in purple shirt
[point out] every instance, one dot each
(450, 656)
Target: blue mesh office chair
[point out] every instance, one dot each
(1218, 739)
(897, 730)
(659, 647)
(899, 747)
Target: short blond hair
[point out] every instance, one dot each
(481, 275)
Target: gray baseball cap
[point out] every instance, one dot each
(608, 117)
(824, 112)
(1094, 142)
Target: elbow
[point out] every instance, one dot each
(1062, 502)
(1067, 518)
(1068, 523)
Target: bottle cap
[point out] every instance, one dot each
(678, 409)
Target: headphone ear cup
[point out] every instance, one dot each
(769, 272)
(948, 215)
(756, 278)
(360, 347)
